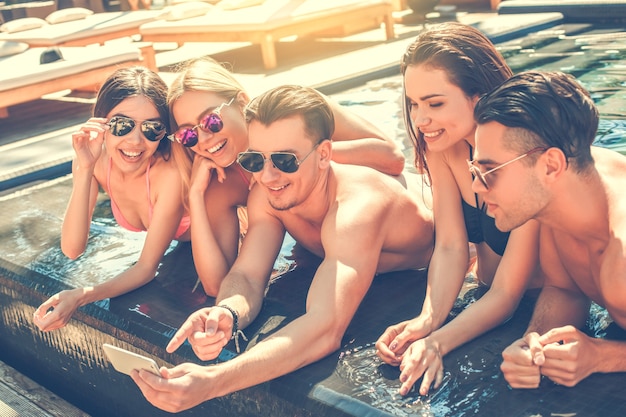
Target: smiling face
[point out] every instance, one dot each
(515, 193)
(132, 151)
(285, 191)
(221, 147)
(439, 109)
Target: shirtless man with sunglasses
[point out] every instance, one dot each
(544, 124)
(359, 221)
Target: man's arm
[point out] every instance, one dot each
(352, 247)
(560, 303)
(242, 291)
(570, 354)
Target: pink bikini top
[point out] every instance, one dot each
(185, 222)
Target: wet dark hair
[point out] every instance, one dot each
(469, 59)
(132, 82)
(553, 106)
(291, 100)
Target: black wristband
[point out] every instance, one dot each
(235, 319)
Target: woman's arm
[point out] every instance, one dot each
(214, 225)
(87, 144)
(359, 142)
(167, 213)
(450, 259)
(446, 271)
(518, 265)
(77, 219)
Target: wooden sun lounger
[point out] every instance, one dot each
(97, 28)
(23, 78)
(274, 19)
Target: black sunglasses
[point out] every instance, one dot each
(211, 122)
(153, 130)
(287, 162)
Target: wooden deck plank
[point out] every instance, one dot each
(23, 397)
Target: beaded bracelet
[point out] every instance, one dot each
(235, 319)
(236, 331)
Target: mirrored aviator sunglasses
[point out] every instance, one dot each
(153, 130)
(211, 122)
(287, 162)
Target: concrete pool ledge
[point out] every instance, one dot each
(349, 382)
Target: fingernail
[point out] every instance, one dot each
(393, 345)
(210, 331)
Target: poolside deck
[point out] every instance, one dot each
(20, 396)
(35, 138)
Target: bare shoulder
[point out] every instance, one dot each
(366, 180)
(359, 186)
(611, 166)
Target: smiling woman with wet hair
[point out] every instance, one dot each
(123, 149)
(445, 71)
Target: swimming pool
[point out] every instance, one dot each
(595, 54)
(473, 385)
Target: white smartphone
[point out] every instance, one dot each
(125, 361)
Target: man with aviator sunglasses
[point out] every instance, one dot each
(359, 221)
(544, 124)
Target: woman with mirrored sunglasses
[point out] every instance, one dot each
(206, 105)
(122, 149)
(445, 70)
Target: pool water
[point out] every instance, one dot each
(595, 55)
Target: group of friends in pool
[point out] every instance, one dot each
(505, 165)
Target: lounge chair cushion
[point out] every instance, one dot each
(94, 28)
(67, 15)
(8, 48)
(185, 10)
(78, 60)
(24, 23)
(238, 4)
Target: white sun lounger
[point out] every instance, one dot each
(267, 23)
(93, 28)
(96, 28)
(23, 78)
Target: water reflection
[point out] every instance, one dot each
(377, 384)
